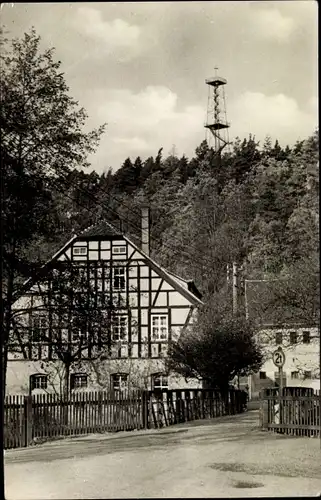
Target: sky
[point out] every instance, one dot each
(141, 67)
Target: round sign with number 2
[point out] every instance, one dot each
(278, 358)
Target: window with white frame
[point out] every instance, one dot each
(119, 279)
(38, 381)
(295, 375)
(78, 380)
(119, 328)
(79, 250)
(119, 381)
(117, 250)
(159, 381)
(159, 327)
(306, 337)
(39, 327)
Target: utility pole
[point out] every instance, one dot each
(235, 299)
(320, 380)
(235, 289)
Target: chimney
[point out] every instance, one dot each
(145, 229)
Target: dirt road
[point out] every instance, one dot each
(227, 457)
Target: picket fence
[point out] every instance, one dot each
(293, 414)
(32, 419)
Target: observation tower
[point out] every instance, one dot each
(216, 124)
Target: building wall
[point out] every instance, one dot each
(299, 359)
(139, 373)
(147, 293)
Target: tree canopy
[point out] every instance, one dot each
(216, 349)
(42, 140)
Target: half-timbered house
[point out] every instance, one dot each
(151, 306)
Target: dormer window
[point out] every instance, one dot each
(79, 251)
(120, 249)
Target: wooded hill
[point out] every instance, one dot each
(258, 207)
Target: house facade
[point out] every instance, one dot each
(151, 306)
(299, 340)
(301, 368)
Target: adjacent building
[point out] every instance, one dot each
(300, 341)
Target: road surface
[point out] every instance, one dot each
(225, 457)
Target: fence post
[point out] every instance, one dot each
(261, 409)
(145, 409)
(28, 421)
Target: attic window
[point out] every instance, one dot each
(79, 250)
(119, 250)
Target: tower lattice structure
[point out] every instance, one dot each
(216, 121)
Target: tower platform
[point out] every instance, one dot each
(216, 81)
(216, 126)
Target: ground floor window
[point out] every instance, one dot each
(159, 381)
(78, 380)
(38, 381)
(119, 381)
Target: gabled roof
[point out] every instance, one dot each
(105, 229)
(179, 284)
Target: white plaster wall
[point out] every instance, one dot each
(298, 357)
(139, 371)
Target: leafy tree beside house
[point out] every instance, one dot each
(68, 321)
(42, 138)
(216, 349)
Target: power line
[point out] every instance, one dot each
(173, 250)
(134, 211)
